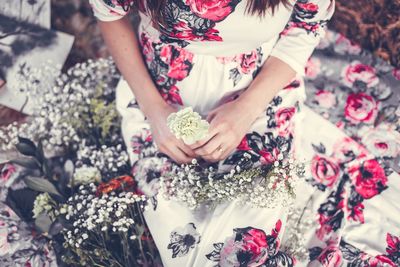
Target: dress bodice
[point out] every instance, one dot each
(224, 28)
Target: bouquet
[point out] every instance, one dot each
(72, 182)
(199, 184)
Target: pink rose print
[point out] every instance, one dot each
(331, 256)
(141, 141)
(172, 95)
(248, 62)
(289, 27)
(244, 145)
(396, 73)
(215, 10)
(393, 250)
(346, 150)
(361, 107)
(309, 27)
(183, 31)
(313, 68)
(357, 71)
(382, 141)
(180, 64)
(147, 48)
(284, 122)
(324, 170)
(251, 247)
(269, 156)
(167, 65)
(345, 46)
(356, 212)
(6, 172)
(325, 99)
(368, 178)
(166, 53)
(307, 7)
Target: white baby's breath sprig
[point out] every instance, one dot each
(187, 125)
(263, 186)
(43, 204)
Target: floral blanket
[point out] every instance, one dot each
(352, 143)
(349, 212)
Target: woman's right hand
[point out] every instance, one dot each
(166, 141)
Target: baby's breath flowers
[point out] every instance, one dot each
(299, 221)
(66, 108)
(43, 204)
(86, 175)
(106, 227)
(259, 186)
(187, 125)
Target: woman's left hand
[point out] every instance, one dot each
(229, 123)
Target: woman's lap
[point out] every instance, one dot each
(202, 238)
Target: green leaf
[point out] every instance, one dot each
(43, 222)
(26, 147)
(28, 163)
(42, 185)
(39, 152)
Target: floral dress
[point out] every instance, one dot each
(207, 53)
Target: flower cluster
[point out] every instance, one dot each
(299, 221)
(83, 200)
(105, 227)
(43, 203)
(110, 161)
(262, 186)
(65, 109)
(86, 175)
(187, 125)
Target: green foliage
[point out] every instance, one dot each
(105, 116)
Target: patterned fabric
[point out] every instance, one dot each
(212, 27)
(199, 59)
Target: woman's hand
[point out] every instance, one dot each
(166, 141)
(229, 123)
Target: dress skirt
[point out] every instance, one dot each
(206, 237)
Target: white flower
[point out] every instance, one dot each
(187, 125)
(41, 204)
(86, 175)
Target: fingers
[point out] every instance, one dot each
(210, 147)
(212, 132)
(186, 149)
(215, 156)
(176, 153)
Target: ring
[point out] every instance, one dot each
(219, 149)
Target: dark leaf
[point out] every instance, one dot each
(21, 202)
(39, 152)
(56, 227)
(41, 185)
(26, 147)
(28, 163)
(314, 253)
(349, 252)
(319, 148)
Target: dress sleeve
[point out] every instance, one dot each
(110, 10)
(306, 27)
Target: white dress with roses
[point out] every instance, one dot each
(206, 55)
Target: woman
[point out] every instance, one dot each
(239, 64)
